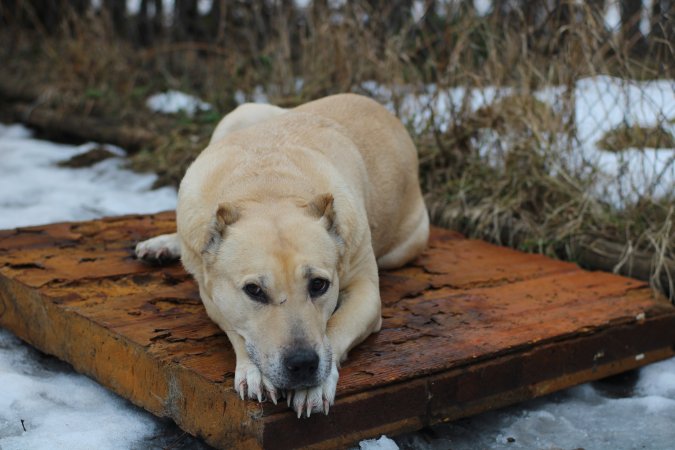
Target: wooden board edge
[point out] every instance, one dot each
(487, 385)
(445, 396)
(161, 387)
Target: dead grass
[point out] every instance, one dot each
(518, 114)
(626, 137)
(88, 158)
(171, 158)
(519, 192)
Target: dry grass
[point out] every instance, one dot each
(518, 114)
(634, 136)
(171, 158)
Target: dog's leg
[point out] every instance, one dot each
(248, 380)
(358, 316)
(416, 232)
(160, 249)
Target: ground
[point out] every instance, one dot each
(61, 409)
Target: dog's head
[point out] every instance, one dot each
(272, 276)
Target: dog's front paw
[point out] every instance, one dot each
(250, 382)
(314, 399)
(160, 249)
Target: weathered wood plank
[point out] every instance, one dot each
(468, 327)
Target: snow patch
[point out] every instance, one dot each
(60, 409)
(171, 102)
(257, 96)
(57, 407)
(35, 190)
(658, 379)
(602, 103)
(204, 6)
(613, 16)
(383, 443)
(580, 417)
(482, 7)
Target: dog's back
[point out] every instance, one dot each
(394, 200)
(365, 142)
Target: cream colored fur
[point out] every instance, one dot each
(281, 198)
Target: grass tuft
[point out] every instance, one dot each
(627, 137)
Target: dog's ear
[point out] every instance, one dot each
(226, 215)
(321, 207)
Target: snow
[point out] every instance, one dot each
(204, 6)
(483, 7)
(645, 17)
(418, 10)
(417, 108)
(383, 443)
(590, 416)
(57, 194)
(658, 379)
(133, 6)
(172, 101)
(613, 16)
(257, 96)
(602, 103)
(59, 408)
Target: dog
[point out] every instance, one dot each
(284, 220)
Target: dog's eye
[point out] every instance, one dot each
(255, 292)
(318, 287)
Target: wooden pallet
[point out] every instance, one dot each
(469, 327)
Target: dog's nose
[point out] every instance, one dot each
(302, 365)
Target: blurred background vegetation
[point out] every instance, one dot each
(504, 168)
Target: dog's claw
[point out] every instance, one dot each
(242, 389)
(273, 396)
(316, 399)
(250, 382)
(255, 389)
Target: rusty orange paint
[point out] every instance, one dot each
(467, 327)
